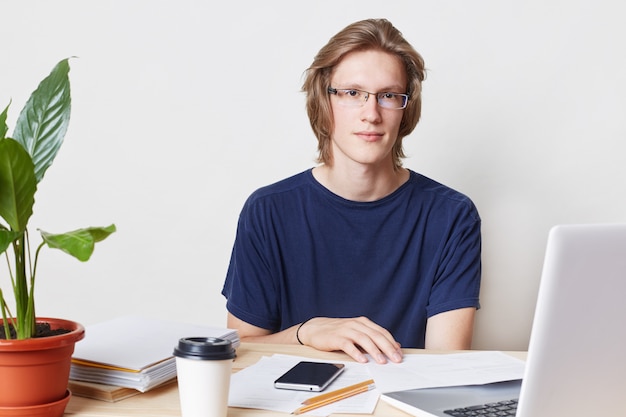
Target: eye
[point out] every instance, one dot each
(388, 96)
(352, 93)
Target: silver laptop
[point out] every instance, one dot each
(576, 364)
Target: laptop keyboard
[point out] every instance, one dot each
(499, 409)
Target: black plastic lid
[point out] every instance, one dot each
(204, 348)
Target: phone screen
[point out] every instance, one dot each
(309, 376)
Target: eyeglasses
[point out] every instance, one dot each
(351, 97)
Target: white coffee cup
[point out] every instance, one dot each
(203, 367)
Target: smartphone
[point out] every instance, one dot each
(309, 376)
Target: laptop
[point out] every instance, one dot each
(576, 363)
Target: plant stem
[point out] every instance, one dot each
(25, 324)
(5, 313)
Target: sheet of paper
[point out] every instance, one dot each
(136, 342)
(253, 387)
(438, 370)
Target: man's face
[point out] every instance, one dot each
(366, 134)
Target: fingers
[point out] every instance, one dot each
(376, 341)
(355, 336)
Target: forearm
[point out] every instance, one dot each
(253, 334)
(355, 336)
(287, 336)
(451, 330)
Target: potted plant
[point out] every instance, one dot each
(24, 159)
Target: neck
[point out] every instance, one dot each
(361, 183)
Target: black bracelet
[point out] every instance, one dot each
(298, 330)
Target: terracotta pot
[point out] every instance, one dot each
(35, 372)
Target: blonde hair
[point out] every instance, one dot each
(370, 34)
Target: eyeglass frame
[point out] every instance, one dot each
(367, 94)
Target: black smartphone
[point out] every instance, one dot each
(309, 376)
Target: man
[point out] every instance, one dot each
(358, 253)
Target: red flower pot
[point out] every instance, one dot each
(35, 372)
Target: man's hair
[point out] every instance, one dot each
(365, 35)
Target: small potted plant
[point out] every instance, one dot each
(24, 159)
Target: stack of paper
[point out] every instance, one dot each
(135, 352)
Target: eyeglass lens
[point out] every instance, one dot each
(357, 98)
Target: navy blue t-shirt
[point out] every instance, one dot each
(302, 251)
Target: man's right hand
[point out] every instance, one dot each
(355, 336)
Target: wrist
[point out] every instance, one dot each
(298, 331)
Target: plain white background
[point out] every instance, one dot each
(182, 108)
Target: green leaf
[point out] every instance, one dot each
(43, 122)
(3, 122)
(17, 184)
(78, 243)
(6, 238)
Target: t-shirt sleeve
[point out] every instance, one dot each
(249, 287)
(457, 284)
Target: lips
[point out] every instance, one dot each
(369, 136)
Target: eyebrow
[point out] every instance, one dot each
(394, 89)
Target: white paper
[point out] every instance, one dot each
(134, 342)
(439, 370)
(142, 381)
(253, 387)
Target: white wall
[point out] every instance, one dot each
(182, 108)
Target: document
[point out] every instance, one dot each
(134, 351)
(440, 370)
(253, 387)
(135, 342)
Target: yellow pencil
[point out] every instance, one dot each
(334, 396)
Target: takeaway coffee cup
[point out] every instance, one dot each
(203, 367)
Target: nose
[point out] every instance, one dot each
(370, 112)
